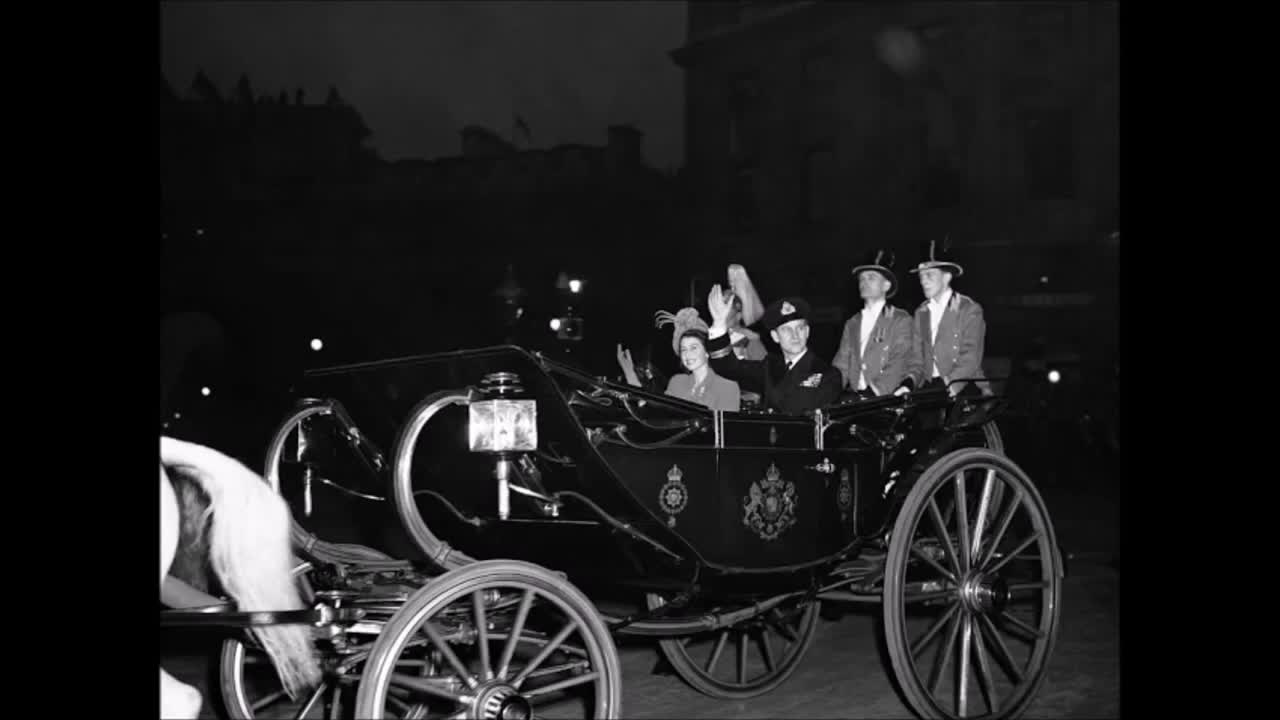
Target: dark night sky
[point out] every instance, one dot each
(420, 71)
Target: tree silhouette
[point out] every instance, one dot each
(244, 93)
(333, 98)
(204, 89)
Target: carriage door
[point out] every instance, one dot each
(783, 487)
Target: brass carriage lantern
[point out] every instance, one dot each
(503, 424)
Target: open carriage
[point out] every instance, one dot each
(504, 517)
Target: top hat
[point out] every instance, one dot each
(784, 311)
(939, 257)
(880, 261)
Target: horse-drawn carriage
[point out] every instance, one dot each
(508, 516)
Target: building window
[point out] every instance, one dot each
(1049, 150)
(820, 183)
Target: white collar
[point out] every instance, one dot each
(943, 298)
(792, 363)
(875, 308)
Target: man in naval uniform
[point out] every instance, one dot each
(794, 382)
(949, 331)
(876, 341)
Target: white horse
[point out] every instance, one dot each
(250, 553)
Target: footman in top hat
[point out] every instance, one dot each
(795, 381)
(949, 331)
(877, 339)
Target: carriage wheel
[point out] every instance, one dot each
(248, 682)
(971, 585)
(750, 668)
(494, 639)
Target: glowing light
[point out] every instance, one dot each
(205, 391)
(555, 323)
(200, 231)
(1044, 279)
(1054, 376)
(177, 416)
(317, 344)
(575, 286)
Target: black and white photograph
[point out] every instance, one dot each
(639, 359)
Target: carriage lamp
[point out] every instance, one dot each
(317, 344)
(575, 286)
(1054, 376)
(205, 391)
(503, 424)
(555, 324)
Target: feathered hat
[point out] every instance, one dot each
(685, 319)
(742, 287)
(936, 257)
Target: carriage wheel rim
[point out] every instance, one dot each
(740, 642)
(977, 598)
(498, 675)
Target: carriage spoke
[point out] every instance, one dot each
(1004, 525)
(915, 550)
(311, 702)
(449, 656)
(482, 628)
(924, 639)
(1021, 546)
(966, 638)
(545, 652)
(943, 658)
(980, 522)
(1002, 650)
(428, 687)
(780, 625)
(273, 697)
(522, 613)
(565, 667)
(766, 651)
(943, 536)
(400, 706)
(715, 654)
(563, 684)
(962, 522)
(985, 681)
(1023, 626)
(742, 658)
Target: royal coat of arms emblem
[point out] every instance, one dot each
(771, 507)
(674, 495)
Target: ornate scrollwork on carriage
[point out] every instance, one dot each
(844, 494)
(771, 507)
(674, 495)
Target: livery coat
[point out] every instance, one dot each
(811, 384)
(959, 347)
(884, 359)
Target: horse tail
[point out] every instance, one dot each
(251, 553)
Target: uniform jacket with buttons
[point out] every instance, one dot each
(884, 360)
(958, 348)
(811, 384)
